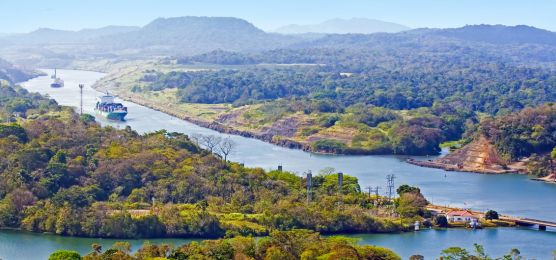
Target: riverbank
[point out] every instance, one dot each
(173, 111)
(450, 167)
(551, 178)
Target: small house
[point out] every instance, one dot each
(461, 216)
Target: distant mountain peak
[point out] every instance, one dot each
(203, 21)
(344, 26)
(500, 34)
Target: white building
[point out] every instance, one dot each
(461, 216)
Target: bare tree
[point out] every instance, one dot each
(327, 171)
(197, 138)
(211, 141)
(227, 147)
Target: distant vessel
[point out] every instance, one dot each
(58, 82)
(107, 108)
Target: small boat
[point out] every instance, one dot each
(108, 108)
(58, 82)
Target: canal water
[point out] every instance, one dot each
(429, 243)
(508, 194)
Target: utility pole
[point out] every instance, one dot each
(309, 186)
(340, 182)
(81, 101)
(340, 189)
(370, 189)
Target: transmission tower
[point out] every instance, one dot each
(390, 185)
(376, 190)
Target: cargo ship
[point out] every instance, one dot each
(58, 82)
(108, 108)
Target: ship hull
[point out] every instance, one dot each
(56, 85)
(116, 116)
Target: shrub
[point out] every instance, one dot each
(441, 221)
(64, 255)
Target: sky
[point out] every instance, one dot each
(17, 16)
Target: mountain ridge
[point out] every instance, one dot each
(194, 35)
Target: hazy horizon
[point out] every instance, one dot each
(25, 17)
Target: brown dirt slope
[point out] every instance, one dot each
(478, 156)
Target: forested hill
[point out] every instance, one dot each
(343, 26)
(438, 49)
(517, 135)
(500, 34)
(198, 34)
(12, 74)
(400, 71)
(63, 173)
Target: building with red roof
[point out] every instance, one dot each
(461, 216)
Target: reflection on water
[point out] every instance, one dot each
(429, 243)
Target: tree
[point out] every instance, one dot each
(210, 141)
(514, 254)
(411, 204)
(441, 221)
(122, 246)
(226, 147)
(455, 253)
(327, 171)
(552, 157)
(64, 255)
(407, 189)
(481, 254)
(491, 214)
(97, 248)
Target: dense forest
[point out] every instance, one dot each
(492, 88)
(63, 173)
